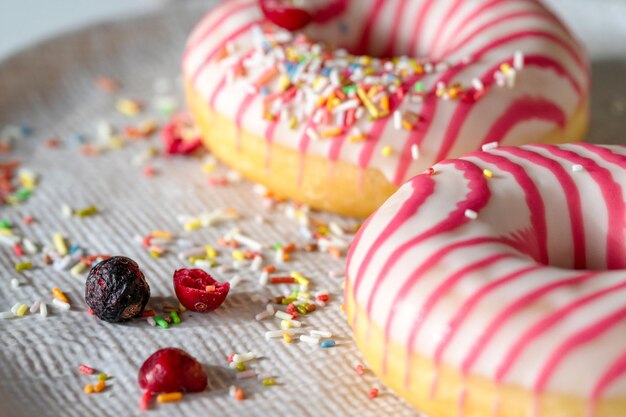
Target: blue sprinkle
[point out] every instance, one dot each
(325, 71)
(265, 91)
(344, 27)
(328, 343)
(74, 248)
(78, 138)
(26, 130)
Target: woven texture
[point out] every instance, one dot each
(51, 88)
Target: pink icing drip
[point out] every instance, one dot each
(586, 335)
(240, 31)
(397, 18)
(613, 198)
(613, 372)
(505, 315)
(546, 324)
(216, 24)
(247, 101)
(572, 196)
(269, 139)
(423, 187)
(532, 195)
(218, 89)
(523, 109)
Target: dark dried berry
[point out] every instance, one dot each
(116, 290)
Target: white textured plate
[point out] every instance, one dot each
(50, 87)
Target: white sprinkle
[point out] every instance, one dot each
(478, 84)
(66, 211)
(397, 120)
(247, 242)
(415, 152)
(151, 321)
(471, 214)
(6, 315)
(320, 303)
(29, 246)
(577, 168)
(250, 373)
(270, 309)
(263, 278)
(282, 315)
(292, 323)
(274, 334)
(243, 357)
(15, 283)
(262, 315)
(255, 265)
(279, 256)
(235, 280)
(198, 251)
(43, 310)
(202, 264)
(61, 305)
(518, 60)
(321, 333)
(232, 390)
(9, 240)
(336, 229)
(35, 307)
(489, 146)
(309, 339)
(311, 133)
(346, 105)
(15, 307)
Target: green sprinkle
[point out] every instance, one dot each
(277, 245)
(23, 266)
(288, 300)
(22, 194)
(240, 367)
(268, 382)
(161, 322)
(102, 377)
(89, 211)
(349, 88)
(175, 317)
(4, 224)
(418, 87)
(301, 309)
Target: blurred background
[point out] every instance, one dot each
(600, 23)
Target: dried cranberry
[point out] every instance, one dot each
(116, 289)
(180, 135)
(191, 289)
(284, 15)
(171, 370)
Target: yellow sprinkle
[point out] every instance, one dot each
(88, 389)
(21, 310)
(299, 278)
(116, 142)
(505, 68)
(155, 254)
(287, 338)
(6, 232)
(210, 252)
(357, 138)
(23, 266)
(386, 151)
(193, 224)
(365, 60)
(89, 211)
(27, 179)
(161, 234)
(128, 107)
(285, 324)
(283, 83)
(56, 293)
(208, 168)
(367, 102)
(170, 397)
(487, 173)
(238, 255)
(304, 295)
(59, 244)
(293, 123)
(331, 133)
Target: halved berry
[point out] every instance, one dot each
(172, 370)
(198, 291)
(180, 135)
(283, 14)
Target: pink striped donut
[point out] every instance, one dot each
(467, 73)
(496, 285)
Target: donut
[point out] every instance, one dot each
(373, 92)
(494, 284)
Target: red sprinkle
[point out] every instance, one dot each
(149, 171)
(84, 369)
(28, 219)
(323, 297)
(17, 250)
(282, 280)
(430, 171)
(373, 393)
(360, 369)
(230, 357)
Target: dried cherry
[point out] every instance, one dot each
(171, 370)
(198, 291)
(116, 289)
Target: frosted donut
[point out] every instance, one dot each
(341, 132)
(496, 285)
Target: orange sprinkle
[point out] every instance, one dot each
(59, 295)
(269, 269)
(334, 251)
(266, 77)
(239, 394)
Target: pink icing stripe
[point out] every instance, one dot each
(545, 324)
(524, 109)
(335, 147)
(363, 43)
(216, 24)
(606, 154)
(477, 197)
(613, 198)
(443, 289)
(572, 196)
(533, 198)
(218, 89)
(397, 19)
(423, 187)
(243, 107)
(612, 373)
(586, 335)
(468, 306)
(476, 13)
(434, 49)
(417, 31)
(505, 315)
(498, 20)
(240, 31)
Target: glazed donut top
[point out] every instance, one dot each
(507, 264)
(465, 73)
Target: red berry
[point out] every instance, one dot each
(191, 290)
(172, 370)
(285, 16)
(180, 136)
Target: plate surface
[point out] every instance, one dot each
(51, 87)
